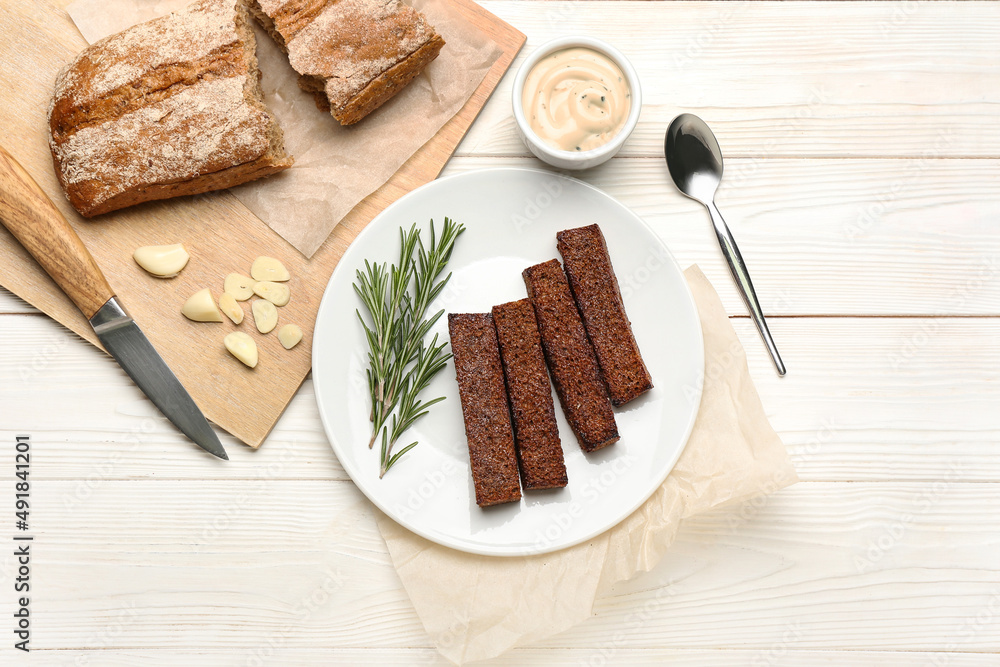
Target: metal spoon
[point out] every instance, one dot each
(695, 163)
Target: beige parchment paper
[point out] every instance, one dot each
(335, 167)
(476, 607)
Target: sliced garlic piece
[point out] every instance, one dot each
(241, 346)
(265, 315)
(289, 335)
(162, 261)
(231, 309)
(240, 286)
(200, 307)
(276, 293)
(268, 268)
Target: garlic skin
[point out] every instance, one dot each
(231, 309)
(243, 347)
(162, 261)
(268, 268)
(200, 307)
(265, 315)
(276, 293)
(289, 336)
(239, 285)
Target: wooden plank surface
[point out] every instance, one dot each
(219, 232)
(828, 564)
(870, 399)
(884, 555)
(778, 656)
(825, 236)
(901, 220)
(802, 79)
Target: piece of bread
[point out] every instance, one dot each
(571, 359)
(353, 55)
(536, 434)
(595, 289)
(165, 108)
(484, 407)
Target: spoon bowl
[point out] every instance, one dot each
(694, 157)
(694, 160)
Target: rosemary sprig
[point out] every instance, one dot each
(429, 361)
(383, 291)
(400, 366)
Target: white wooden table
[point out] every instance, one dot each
(863, 163)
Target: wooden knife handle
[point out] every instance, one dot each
(43, 231)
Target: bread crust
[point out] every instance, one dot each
(484, 408)
(385, 86)
(352, 55)
(165, 108)
(536, 434)
(571, 359)
(595, 289)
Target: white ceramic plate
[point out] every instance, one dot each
(511, 218)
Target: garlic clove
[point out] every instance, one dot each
(289, 336)
(232, 310)
(240, 286)
(265, 315)
(242, 346)
(276, 293)
(162, 261)
(200, 307)
(268, 268)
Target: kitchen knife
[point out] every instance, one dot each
(34, 220)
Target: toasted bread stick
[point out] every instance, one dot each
(484, 407)
(595, 289)
(536, 435)
(575, 372)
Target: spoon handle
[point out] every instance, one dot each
(742, 277)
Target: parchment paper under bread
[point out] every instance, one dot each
(335, 167)
(477, 607)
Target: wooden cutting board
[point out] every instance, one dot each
(37, 39)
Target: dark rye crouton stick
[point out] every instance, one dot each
(598, 297)
(536, 434)
(484, 407)
(571, 360)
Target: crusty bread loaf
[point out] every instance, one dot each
(353, 55)
(165, 108)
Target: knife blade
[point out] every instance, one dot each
(124, 340)
(28, 213)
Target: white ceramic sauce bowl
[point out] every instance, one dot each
(575, 159)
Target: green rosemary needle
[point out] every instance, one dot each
(400, 365)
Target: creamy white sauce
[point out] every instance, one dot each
(576, 99)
